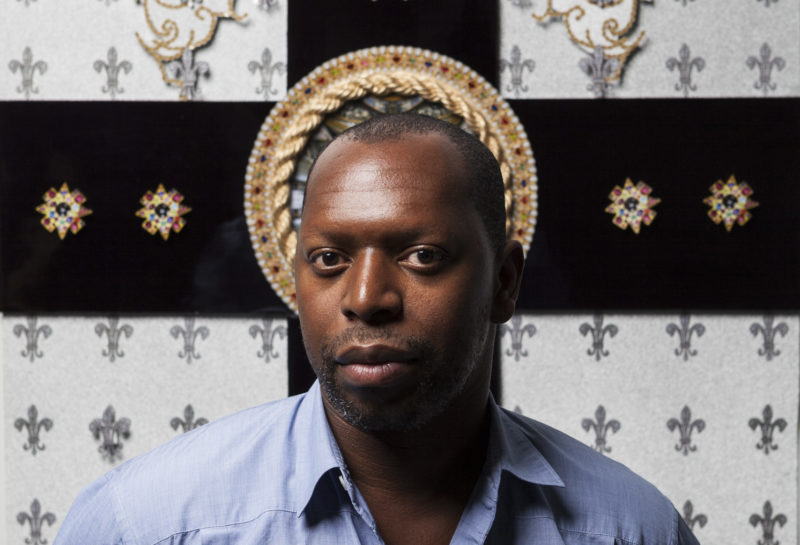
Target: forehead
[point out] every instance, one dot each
(416, 163)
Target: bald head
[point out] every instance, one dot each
(480, 173)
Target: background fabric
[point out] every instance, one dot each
(721, 83)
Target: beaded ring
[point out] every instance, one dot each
(337, 94)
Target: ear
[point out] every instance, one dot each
(509, 263)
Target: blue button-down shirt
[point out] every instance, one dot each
(274, 474)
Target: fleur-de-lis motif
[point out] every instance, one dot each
(685, 334)
(114, 333)
(517, 67)
(768, 331)
(267, 5)
(191, 3)
(32, 337)
(521, 3)
(600, 68)
(767, 2)
(108, 2)
(112, 68)
(765, 65)
(188, 423)
(112, 431)
(683, 2)
(604, 3)
(189, 335)
(266, 68)
(685, 425)
(36, 521)
(767, 427)
(517, 332)
(601, 428)
(598, 336)
(27, 2)
(27, 69)
(767, 523)
(684, 63)
(700, 520)
(188, 72)
(268, 334)
(34, 426)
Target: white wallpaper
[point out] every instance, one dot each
(71, 371)
(720, 37)
(690, 418)
(70, 37)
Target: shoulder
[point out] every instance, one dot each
(224, 472)
(601, 496)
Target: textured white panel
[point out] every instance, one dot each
(70, 35)
(70, 378)
(723, 33)
(642, 384)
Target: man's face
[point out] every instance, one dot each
(395, 281)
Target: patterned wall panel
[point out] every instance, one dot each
(110, 50)
(83, 394)
(703, 406)
(663, 48)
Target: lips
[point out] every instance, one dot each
(376, 366)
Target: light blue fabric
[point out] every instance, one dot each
(274, 474)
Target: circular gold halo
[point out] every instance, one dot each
(383, 70)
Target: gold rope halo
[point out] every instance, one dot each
(384, 70)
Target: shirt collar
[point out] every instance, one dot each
(317, 451)
(510, 449)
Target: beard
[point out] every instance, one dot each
(440, 382)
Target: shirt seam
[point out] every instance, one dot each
(604, 534)
(226, 525)
(127, 530)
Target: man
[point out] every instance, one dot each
(403, 270)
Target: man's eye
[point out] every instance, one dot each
(326, 259)
(425, 256)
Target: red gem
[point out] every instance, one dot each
(147, 224)
(268, 142)
(321, 80)
(294, 296)
(51, 194)
(617, 192)
(79, 199)
(284, 114)
(504, 121)
(46, 221)
(718, 186)
(149, 196)
(259, 223)
(257, 190)
(471, 84)
(518, 151)
(519, 232)
(645, 190)
(524, 200)
(275, 269)
(445, 69)
(350, 66)
(396, 58)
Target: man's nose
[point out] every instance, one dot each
(373, 294)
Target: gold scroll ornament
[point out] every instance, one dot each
(608, 24)
(178, 25)
(348, 89)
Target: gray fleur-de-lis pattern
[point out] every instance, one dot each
(82, 396)
(690, 49)
(44, 57)
(686, 400)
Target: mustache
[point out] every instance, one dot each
(363, 335)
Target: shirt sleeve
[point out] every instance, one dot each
(92, 519)
(685, 535)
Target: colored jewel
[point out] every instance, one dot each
(63, 210)
(730, 202)
(162, 211)
(632, 205)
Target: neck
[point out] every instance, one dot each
(441, 460)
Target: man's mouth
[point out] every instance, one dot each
(376, 366)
